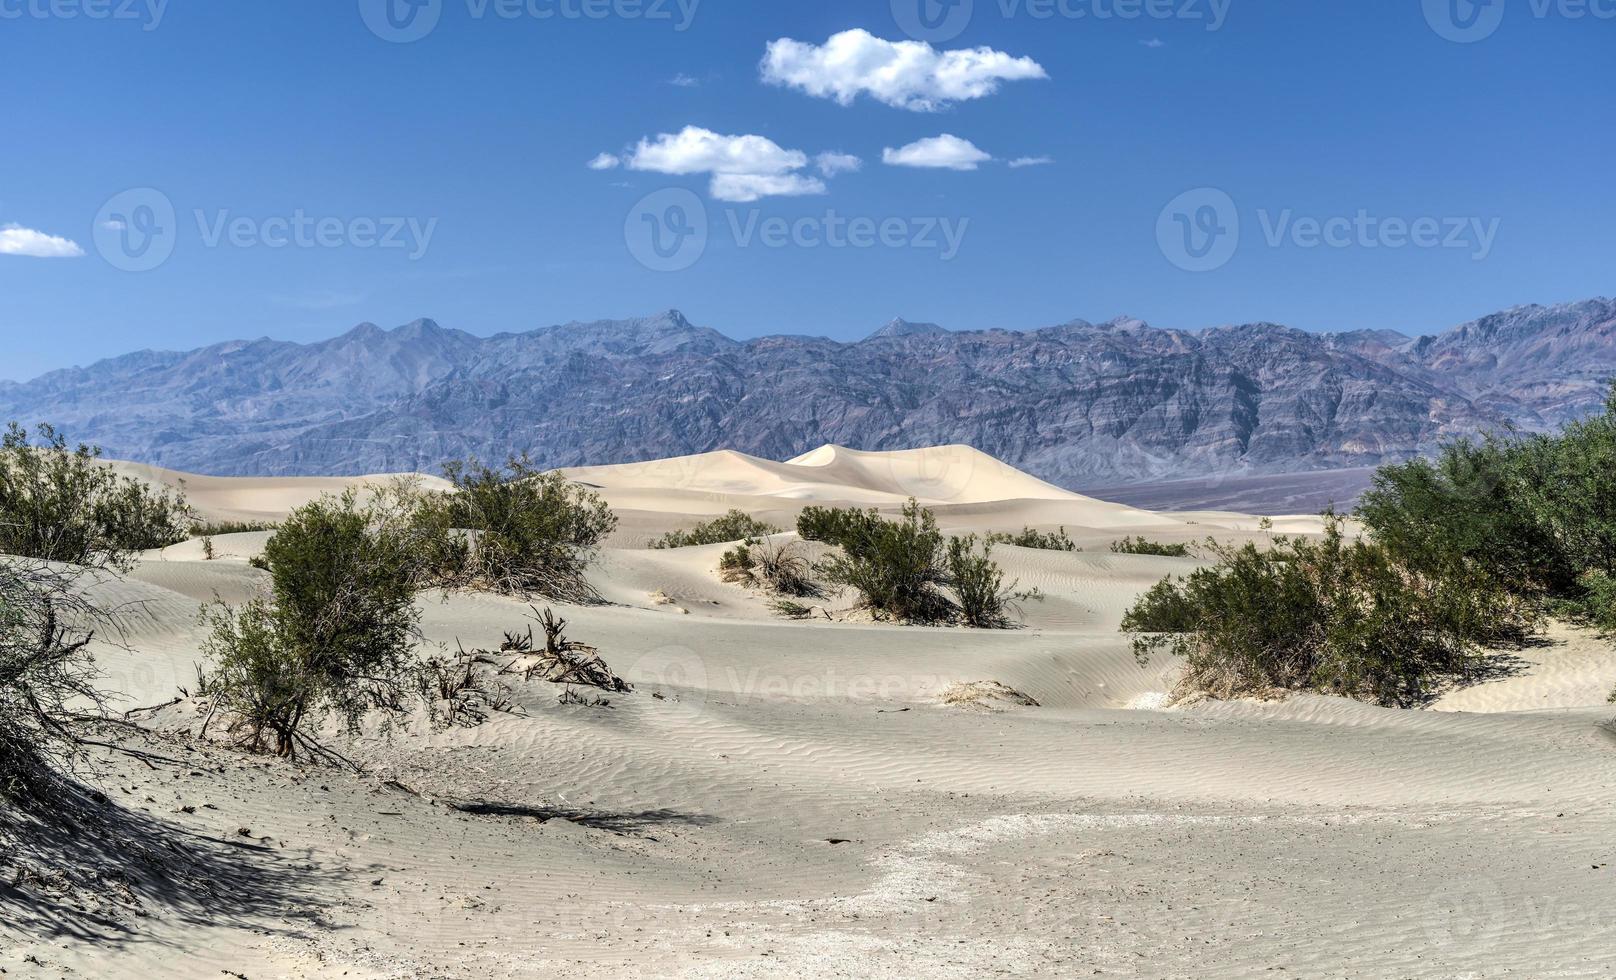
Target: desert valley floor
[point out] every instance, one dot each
(784, 798)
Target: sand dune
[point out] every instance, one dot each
(792, 798)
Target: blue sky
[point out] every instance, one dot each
(1448, 178)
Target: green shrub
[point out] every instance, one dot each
(978, 582)
(1334, 616)
(213, 529)
(1041, 540)
(1593, 604)
(733, 526)
(1140, 546)
(895, 566)
(837, 526)
(64, 505)
(335, 634)
(532, 533)
(1470, 508)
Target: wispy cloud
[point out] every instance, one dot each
(1020, 162)
(906, 74)
(17, 240)
(605, 161)
(1154, 42)
(831, 164)
(945, 152)
(682, 80)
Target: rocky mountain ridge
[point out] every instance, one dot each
(1078, 404)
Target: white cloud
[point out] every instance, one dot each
(682, 80)
(743, 168)
(943, 152)
(1154, 42)
(17, 240)
(906, 74)
(746, 188)
(1020, 162)
(831, 164)
(694, 150)
(605, 161)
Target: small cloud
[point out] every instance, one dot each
(743, 168)
(1154, 42)
(945, 152)
(905, 74)
(1020, 162)
(605, 161)
(682, 80)
(831, 164)
(746, 188)
(17, 240)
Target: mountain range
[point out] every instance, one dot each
(1078, 404)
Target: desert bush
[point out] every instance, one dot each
(464, 690)
(737, 566)
(47, 677)
(1470, 508)
(1141, 546)
(213, 529)
(895, 566)
(334, 636)
(776, 567)
(1030, 538)
(733, 526)
(64, 505)
(1593, 604)
(532, 533)
(984, 599)
(1536, 515)
(790, 609)
(1334, 616)
(837, 526)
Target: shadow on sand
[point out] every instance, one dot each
(75, 866)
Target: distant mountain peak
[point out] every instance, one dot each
(900, 327)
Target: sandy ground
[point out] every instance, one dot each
(790, 798)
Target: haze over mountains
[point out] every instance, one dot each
(1077, 404)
